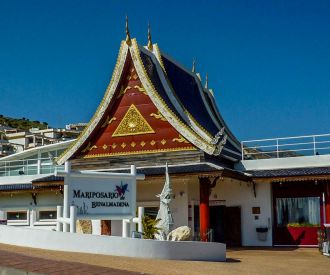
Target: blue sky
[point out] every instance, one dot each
(268, 61)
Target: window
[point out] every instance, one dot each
(303, 211)
(47, 215)
(151, 212)
(17, 216)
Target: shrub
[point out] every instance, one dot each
(150, 228)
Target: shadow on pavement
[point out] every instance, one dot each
(232, 260)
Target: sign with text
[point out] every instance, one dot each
(102, 195)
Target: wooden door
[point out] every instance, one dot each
(233, 230)
(217, 223)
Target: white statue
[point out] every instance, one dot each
(164, 213)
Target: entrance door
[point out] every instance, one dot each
(226, 224)
(217, 223)
(233, 226)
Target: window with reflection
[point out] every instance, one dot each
(295, 212)
(47, 215)
(17, 215)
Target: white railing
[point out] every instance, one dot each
(286, 147)
(29, 167)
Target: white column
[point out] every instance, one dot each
(125, 228)
(133, 190)
(73, 218)
(59, 215)
(66, 194)
(39, 163)
(132, 227)
(33, 217)
(140, 215)
(96, 227)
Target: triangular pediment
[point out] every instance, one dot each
(133, 123)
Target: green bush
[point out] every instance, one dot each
(150, 228)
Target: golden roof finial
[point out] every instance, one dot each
(206, 81)
(149, 38)
(128, 37)
(194, 66)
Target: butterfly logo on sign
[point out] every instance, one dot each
(121, 190)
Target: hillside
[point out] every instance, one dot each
(22, 123)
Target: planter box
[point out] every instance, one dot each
(296, 235)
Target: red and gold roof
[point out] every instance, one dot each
(142, 113)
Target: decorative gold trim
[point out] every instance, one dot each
(89, 147)
(108, 121)
(180, 139)
(163, 141)
(114, 145)
(123, 91)
(139, 152)
(133, 144)
(142, 143)
(152, 143)
(159, 57)
(291, 178)
(197, 124)
(158, 116)
(105, 147)
(123, 145)
(140, 89)
(133, 123)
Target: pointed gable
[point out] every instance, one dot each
(131, 124)
(141, 112)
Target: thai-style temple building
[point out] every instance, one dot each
(156, 111)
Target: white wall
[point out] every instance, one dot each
(234, 193)
(108, 245)
(24, 202)
(237, 193)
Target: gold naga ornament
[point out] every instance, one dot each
(158, 116)
(89, 147)
(180, 139)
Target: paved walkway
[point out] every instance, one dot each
(239, 261)
(37, 265)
